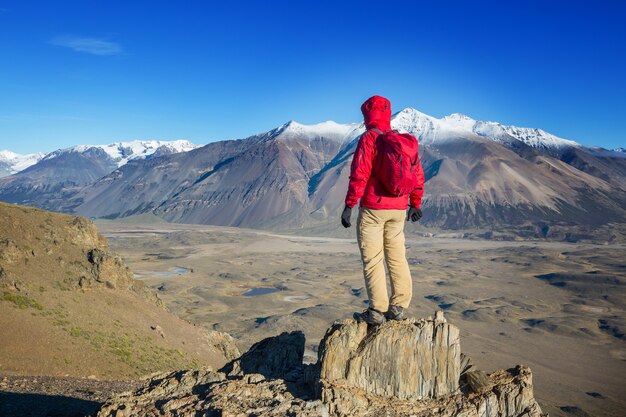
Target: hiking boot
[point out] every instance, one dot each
(395, 313)
(370, 317)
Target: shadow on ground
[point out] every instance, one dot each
(39, 405)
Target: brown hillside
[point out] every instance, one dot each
(70, 307)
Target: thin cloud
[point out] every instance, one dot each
(92, 46)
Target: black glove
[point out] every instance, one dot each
(414, 214)
(345, 217)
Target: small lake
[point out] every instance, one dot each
(253, 292)
(171, 273)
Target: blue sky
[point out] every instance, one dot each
(102, 71)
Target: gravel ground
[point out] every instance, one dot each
(36, 396)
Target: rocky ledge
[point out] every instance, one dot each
(402, 368)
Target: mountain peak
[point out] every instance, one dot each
(457, 117)
(410, 112)
(413, 121)
(329, 129)
(459, 121)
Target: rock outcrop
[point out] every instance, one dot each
(403, 368)
(510, 395)
(424, 360)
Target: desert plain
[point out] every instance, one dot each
(556, 307)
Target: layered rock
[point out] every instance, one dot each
(423, 359)
(403, 368)
(510, 394)
(209, 393)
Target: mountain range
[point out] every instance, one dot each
(479, 174)
(117, 153)
(50, 175)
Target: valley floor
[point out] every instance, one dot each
(556, 307)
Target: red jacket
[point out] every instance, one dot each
(363, 183)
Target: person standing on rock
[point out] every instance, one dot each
(386, 176)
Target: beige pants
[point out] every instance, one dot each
(380, 234)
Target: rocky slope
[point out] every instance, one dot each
(68, 306)
(407, 368)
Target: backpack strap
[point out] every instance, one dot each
(380, 132)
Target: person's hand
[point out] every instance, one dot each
(345, 217)
(414, 214)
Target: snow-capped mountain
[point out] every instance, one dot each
(430, 130)
(122, 152)
(479, 175)
(12, 163)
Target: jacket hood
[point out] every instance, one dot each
(377, 113)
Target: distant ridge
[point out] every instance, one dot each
(123, 152)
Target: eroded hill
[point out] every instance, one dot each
(68, 306)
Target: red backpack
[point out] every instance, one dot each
(397, 161)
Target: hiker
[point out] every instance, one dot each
(387, 176)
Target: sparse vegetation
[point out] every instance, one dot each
(141, 354)
(66, 284)
(76, 331)
(60, 316)
(21, 301)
